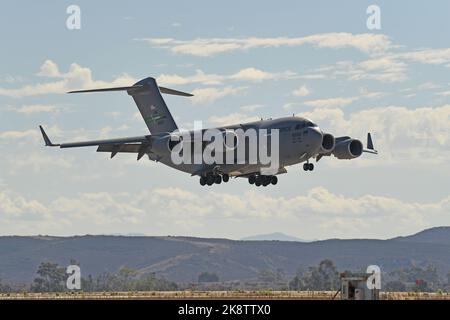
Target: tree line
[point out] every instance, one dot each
(50, 277)
(326, 277)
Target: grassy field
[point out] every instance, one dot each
(252, 295)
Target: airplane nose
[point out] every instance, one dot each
(315, 137)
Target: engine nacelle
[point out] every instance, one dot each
(348, 149)
(328, 143)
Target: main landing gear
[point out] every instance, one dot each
(261, 180)
(214, 179)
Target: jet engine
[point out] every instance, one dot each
(328, 143)
(348, 149)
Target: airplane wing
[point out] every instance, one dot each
(139, 145)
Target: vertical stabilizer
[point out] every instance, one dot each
(152, 107)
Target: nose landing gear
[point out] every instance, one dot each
(308, 166)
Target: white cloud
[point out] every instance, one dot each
(203, 47)
(198, 77)
(315, 76)
(251, 107)
(208, 95)
(402, 135)
(302, 91)
(331, 102)
(36, 108)
(256, 75)
(232, 118)
(77, 77)
(33, 134)
(428, 56)
(49, 69)
(289, 105)
(7, 78)
(444, 93)
(16, 206)
(428, 86)
(246, 74)
(174, 210)
(38, 162)
(16, 134)
(383, 69)
(365, 93)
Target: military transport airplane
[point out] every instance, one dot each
(300, 140)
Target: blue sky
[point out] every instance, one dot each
(242, 61)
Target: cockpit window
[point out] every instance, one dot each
(310, 124)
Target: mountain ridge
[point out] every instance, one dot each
(182, 259)
(274, 236)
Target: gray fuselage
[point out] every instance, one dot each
(299, 140)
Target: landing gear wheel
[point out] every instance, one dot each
(251, 179)
(202, 181)
(225, 178)
(311, 167)
(258, 181)
(274, 180)
(306, 166)
(210, 180)
(266, 181)
(217, 179)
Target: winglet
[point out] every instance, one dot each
(48, 143)
(370, 148)
(369, 141)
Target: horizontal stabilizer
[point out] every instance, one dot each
(175, 92)
(108, 89)
(131, 88)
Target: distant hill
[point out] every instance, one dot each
(182, 259)
(437, 235)
(276, 236)
(128, 234)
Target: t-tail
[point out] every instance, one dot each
(147, 96)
